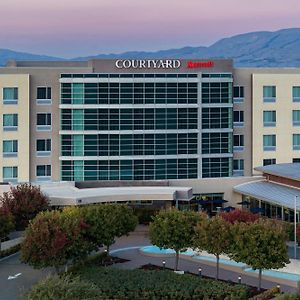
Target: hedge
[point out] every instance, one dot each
(111, 283)
(10, 251)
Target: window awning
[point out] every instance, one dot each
(270, 192)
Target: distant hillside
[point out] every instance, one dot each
(255, 49)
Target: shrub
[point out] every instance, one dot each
(295, 296)
(238, 215)
(10, 251)
(6, 223)
(145, 215)
(63, 288)
(268, 294)
(111, 283)
(24, 202)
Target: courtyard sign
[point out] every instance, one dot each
(148, 63)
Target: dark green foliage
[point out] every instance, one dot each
(63, 288)
(174, 229)
(114, 283)
(268, 294)
(6, 223)
(295, 296)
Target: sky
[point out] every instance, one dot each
(72, 28)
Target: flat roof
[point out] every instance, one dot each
(68, 194)
(270, 192)
(290, 170)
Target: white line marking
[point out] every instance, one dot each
(14, 276)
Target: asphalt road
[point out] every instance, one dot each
(15, 277)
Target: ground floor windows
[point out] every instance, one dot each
(216, 167)
(43, 172)
(143, 169)
(269, 161)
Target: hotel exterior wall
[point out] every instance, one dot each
(283, 106)
(22, 135)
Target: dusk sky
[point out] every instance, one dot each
(70, 28)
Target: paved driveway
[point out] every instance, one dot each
(16, 277)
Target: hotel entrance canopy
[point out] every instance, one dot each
(273, 193)
(64, 194)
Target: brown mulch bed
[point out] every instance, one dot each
(110, 260)
(253, 289)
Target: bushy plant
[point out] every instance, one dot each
(295, 296)
(7, 223)
(145, 215)
(63, 288)
(268, 294)
(174, 229)
(238, 215)
(24, 202)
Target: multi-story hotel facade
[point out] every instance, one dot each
(197, 123)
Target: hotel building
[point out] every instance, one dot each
(183, 123)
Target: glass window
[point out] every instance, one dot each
(296, 117)
(238, 142)
(10, 95)
(43, 170)
(43, 121)
(296, 160)
(269, 142)
(296, 141)
(43, 93)
(269, 93)
(238, 118)
(269, 161)
(269, 118)
(10, 122)
(10, 174)
(43, 147)
(296, 93)
(238, 167)
(78, 93)
(238, 94)
(10, 148)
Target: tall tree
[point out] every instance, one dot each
(24, 201)
(108, 221)
(174, 229)
(52, 239)
(214, 236)
(261, 245)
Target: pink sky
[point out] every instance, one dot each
(69, 28)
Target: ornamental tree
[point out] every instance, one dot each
(174, 229)
(238, 215)
(214, 236)
(53, 238)
(108, 221)
(261, 245)
(6, 223)
(24, 202)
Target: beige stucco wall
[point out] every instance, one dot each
(22, 161)
(283, 106)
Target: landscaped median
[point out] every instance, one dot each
(96, 282)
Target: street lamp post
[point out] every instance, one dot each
(295, 226)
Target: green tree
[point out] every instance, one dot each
(214, 236)
(261, 245)
(24, 201)
(53, 238)
(108, 221)
(173, 229)
(6, 223)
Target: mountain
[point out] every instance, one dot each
(255, 49)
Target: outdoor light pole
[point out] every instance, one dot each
(295, 226)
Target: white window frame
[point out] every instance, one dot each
(10, 101)
(10, 154)
(239, 123)
(43, 127)
(10, 128)
(10, 179)
(239, 148)
(43, 101)
(239, 99)
(239, 171)
(43, 177)
(40, 153)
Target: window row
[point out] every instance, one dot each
(129, 93)
(217, 142)
(129, 119)
(10, 173)
(270, 92)
(269, 118)
(136, 75)
(216, 167)
(216, 92)
(272, 161)
(129, 169)
(269, 142)
(128, 145)
(216, 117)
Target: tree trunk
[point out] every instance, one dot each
(259, 279)
(218, 258)
(176, 261)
